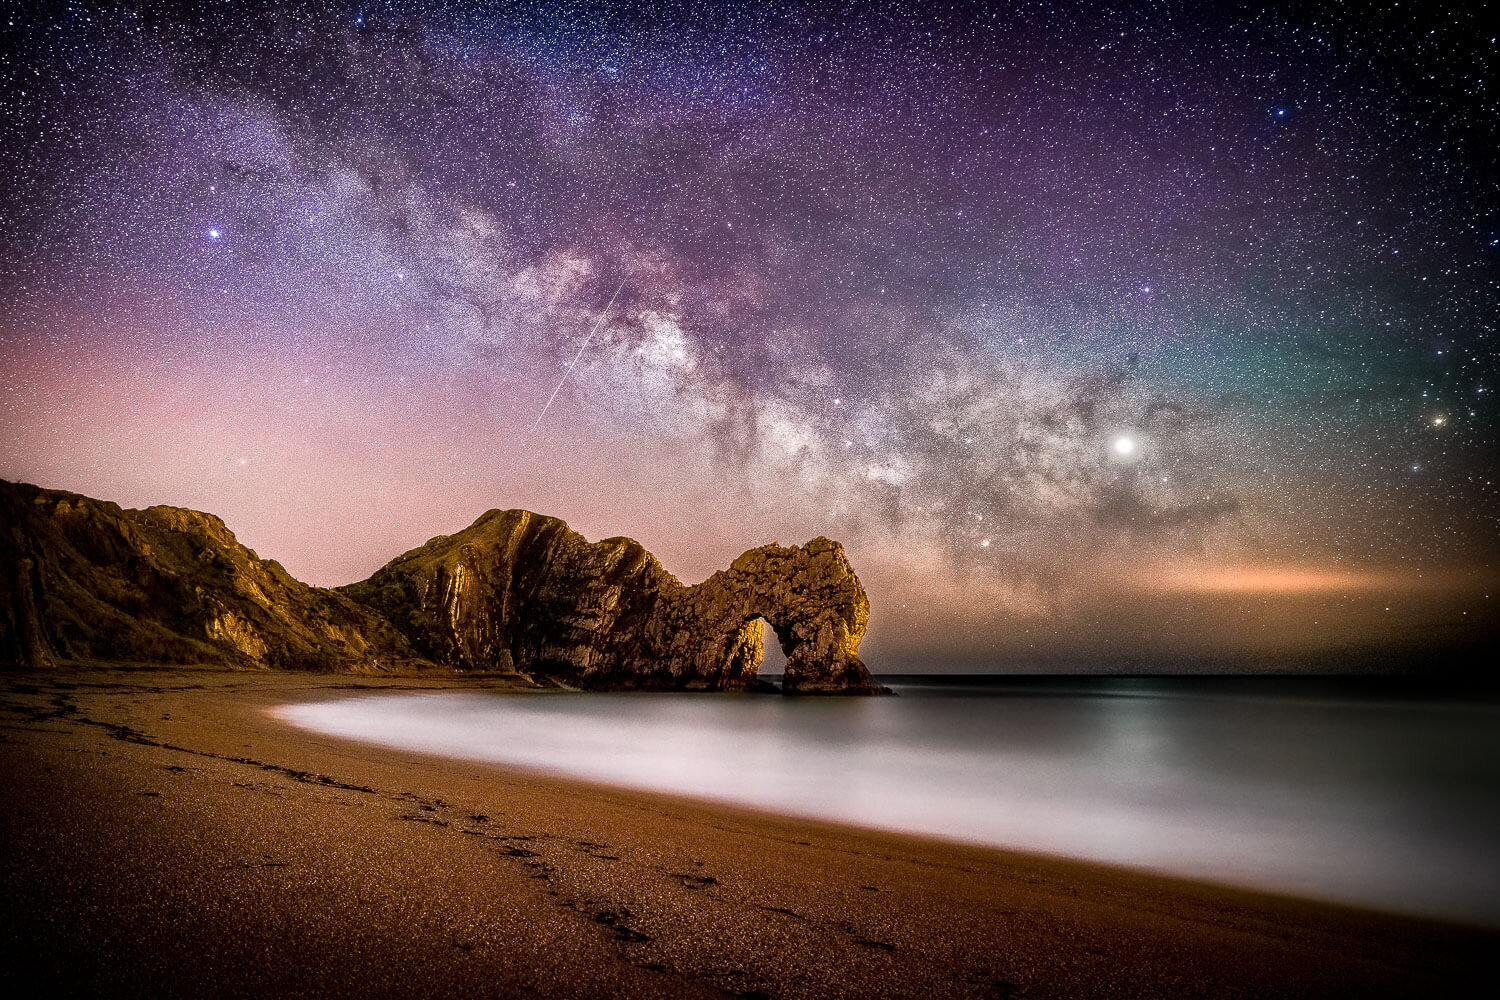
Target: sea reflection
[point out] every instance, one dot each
(1375, 801)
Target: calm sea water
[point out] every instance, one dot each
(1340, 790)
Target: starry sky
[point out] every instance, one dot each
(1102, 335)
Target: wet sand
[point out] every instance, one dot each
(163, 835)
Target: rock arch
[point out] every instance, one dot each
(523, 591)
(83, 580)
(812, 600)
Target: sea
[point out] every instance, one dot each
(1377, 792)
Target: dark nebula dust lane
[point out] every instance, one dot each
(1154, 330)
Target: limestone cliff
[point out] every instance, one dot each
(519, 589)
(86, 581)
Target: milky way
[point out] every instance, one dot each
(903, 275)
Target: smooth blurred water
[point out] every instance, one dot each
(1332, 790)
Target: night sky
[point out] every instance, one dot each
(1155, 330)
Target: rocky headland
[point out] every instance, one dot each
(84, 581)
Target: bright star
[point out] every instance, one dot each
(213, 234)
(1124, 445)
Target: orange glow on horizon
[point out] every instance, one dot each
(1272, 579)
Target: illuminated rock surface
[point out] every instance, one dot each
(517, 589)
(86, 581)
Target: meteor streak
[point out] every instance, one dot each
(569, 369)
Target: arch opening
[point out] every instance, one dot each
(773, 659)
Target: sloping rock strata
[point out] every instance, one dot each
(87, 581)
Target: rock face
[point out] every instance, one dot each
(85, 581)
(517, 589)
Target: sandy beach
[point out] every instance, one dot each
(164, 835)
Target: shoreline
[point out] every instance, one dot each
(717, 789)
(166, 835)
